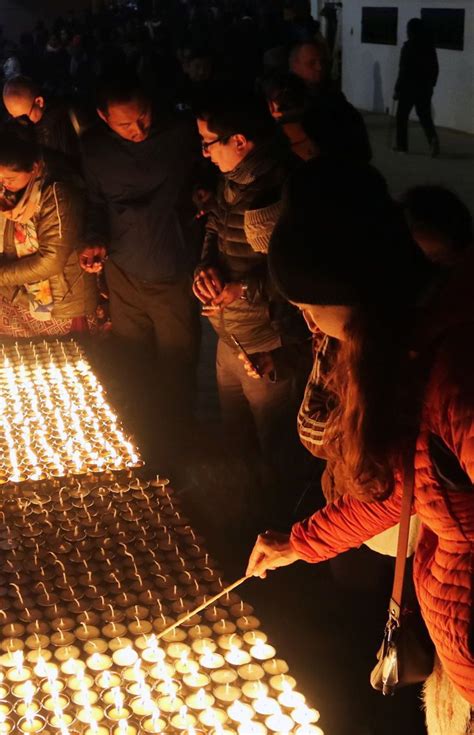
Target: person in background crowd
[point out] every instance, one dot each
(198, 65)
(43, 290)
(240, 49)
(40, 35)
(232, 280)
(56, 67)
(286, 98)
(300, 24)
(197, 72)
(417, 77)
(440, 223)
(309, 60)
(53, 128)
(317, 120)
(138, 164)
(11, 66)
(29, 57)
(80, 67)
(396, 379)
(337, 128)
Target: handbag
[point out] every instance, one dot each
(406, 655)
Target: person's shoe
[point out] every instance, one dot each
(434, 147)
(396, 149)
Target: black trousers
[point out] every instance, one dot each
(156, 331)
(421, 101)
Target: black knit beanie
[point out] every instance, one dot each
(341, 240)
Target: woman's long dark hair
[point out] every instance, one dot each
(342, 241)
(376, 407)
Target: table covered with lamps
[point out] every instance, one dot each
(105, 619)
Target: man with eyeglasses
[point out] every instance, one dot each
(254, 325)
(24, 100)
(139, 164)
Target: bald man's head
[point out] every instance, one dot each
(22, 97)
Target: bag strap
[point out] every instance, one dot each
(425, 361)
(395, 606)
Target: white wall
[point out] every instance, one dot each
(369, 71)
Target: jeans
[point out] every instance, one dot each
(259, 417)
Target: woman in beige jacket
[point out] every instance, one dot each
(43, 290)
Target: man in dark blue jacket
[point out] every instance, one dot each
(138, 165)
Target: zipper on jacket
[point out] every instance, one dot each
(226, 218)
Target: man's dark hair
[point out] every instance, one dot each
(18, 148)
(440, 212)
(120, 88)
(228, 112)
(286, 89)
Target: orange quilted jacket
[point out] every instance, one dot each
(444, 559)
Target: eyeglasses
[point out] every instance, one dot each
(222, 139)
(25, 119)
(31, 109)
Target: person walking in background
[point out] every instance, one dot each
(417, 77)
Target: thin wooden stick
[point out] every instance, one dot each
(203, 606)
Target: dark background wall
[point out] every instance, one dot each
(19, 15)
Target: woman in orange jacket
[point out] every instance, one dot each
(403, 376)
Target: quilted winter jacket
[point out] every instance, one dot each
(58, 224)
(444, 558)
(236, 241)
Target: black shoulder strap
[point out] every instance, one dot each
(446, 465)
(395, 607)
